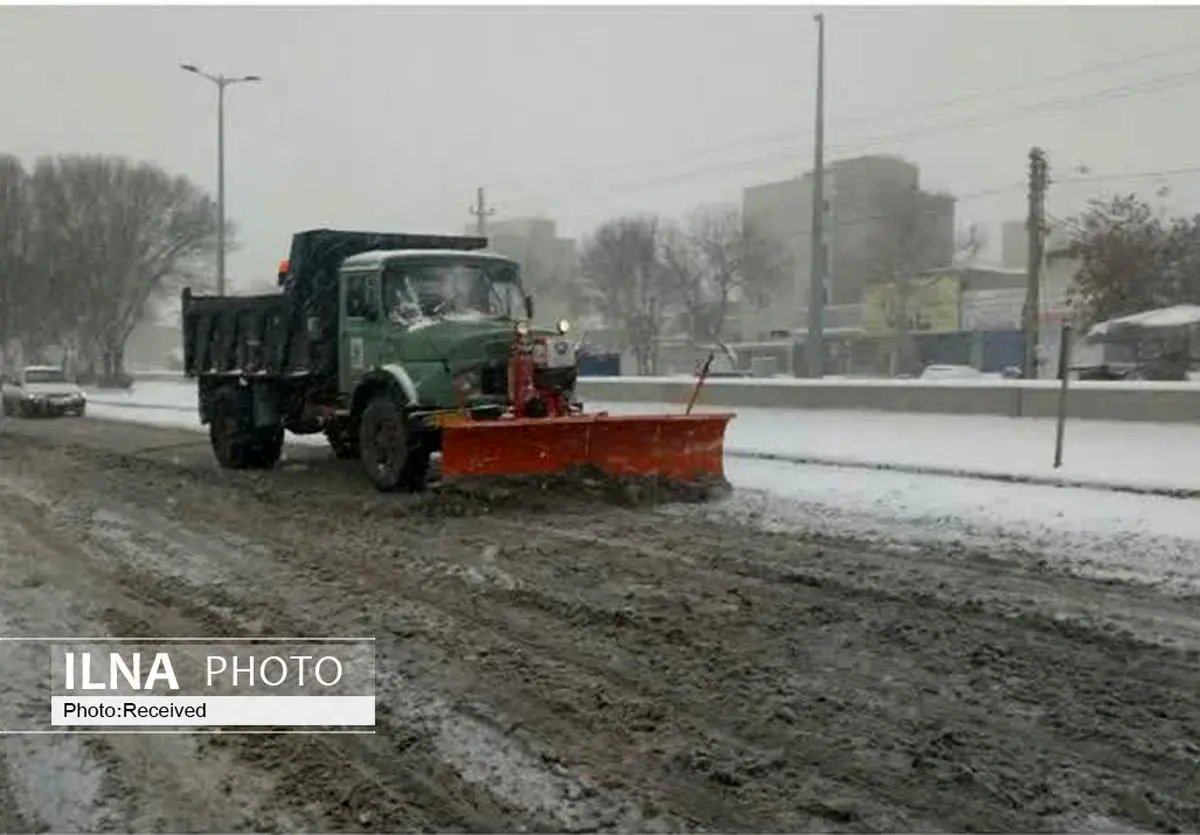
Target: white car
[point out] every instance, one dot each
(41, 390)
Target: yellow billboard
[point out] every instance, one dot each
(929, 303)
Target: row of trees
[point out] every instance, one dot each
(1132, 257)
(644, 274)
(87, 244)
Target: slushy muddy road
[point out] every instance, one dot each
(547, 662)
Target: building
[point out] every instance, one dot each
(1014, 243)
(549, 263)
(878, 221)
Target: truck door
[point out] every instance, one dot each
(359, 330)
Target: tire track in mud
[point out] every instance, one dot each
(471, 641)
(89, 782)
(1042, 629)
(195, 609)
(334, 782)
(877, 705)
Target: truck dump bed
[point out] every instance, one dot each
(242, 334)
(293, 332)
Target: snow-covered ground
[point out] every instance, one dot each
(1112, 534)
(1150, 539)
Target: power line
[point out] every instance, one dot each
(976, 95)
(1087, 69)
(1103, 96)
(1093, 97)
(1138, 175)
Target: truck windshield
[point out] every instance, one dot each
(45, 375)
(453, 288)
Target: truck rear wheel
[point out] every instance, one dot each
(393, 460)
(237, 443)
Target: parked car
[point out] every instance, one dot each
(41, 390)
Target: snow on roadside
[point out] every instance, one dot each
(1100, 533)
(170, 405)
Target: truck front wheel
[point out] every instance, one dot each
(393, 460)
(237, 443)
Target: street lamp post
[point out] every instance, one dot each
(221, 82)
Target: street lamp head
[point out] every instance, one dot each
(190, 68)
(250, 78)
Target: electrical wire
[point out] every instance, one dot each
(1093, 97)
(976, 95)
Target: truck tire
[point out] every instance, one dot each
(236, 442)
(269, 447)
(393, 460)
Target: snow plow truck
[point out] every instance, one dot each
(398, 347)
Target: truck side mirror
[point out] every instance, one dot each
(528, 306)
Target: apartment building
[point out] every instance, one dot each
(877, 219)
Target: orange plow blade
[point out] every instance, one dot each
(515, 446)
(678, 447)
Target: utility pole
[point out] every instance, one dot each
(221, 82)
(482, 212)
(1035, 224)
(814, 348)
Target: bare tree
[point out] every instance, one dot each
(704, 262)
(15, 291)
(621, 265)
(969, 244)
(110, 236)
(907, 241)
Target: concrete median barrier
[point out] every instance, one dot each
(1127, 401)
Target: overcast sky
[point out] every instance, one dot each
(388, 118)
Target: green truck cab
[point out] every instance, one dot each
(373, 339)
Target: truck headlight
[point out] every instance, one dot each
(522, 327)
(563, 326)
